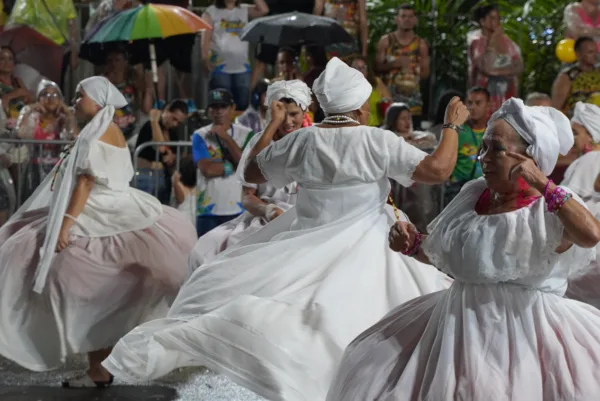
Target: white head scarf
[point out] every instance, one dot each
(546, 130)
(107, 96)
(46, 83)
(295, 89)
(340, 88)
(588, 115)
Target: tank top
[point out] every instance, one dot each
(405, 85)
(228, 54)
(585, 87)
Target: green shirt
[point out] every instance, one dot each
(467, 167)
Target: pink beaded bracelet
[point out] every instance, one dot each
(556, 199)
(414, 249)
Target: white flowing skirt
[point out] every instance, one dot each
(226, 235)
(476, 343)
(275, 312)
(586, 287)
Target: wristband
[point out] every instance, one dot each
(68, 216)
(452, 127)
(227, 169)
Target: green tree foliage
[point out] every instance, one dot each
(535, 25)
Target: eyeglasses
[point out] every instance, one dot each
(49, 96)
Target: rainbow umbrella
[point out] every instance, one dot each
(149, 23)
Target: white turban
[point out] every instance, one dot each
(340, 88)
(102, 92)
(546, 130)
(45, 83)
(588, 115)
(295, 90)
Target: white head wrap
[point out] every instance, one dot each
(546, 130)
(295, 89)
(107, 96)
(588, 115)
(340, 88)
(46, 83)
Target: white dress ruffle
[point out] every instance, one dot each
(502, 332)
(580, 178)
(275, 312)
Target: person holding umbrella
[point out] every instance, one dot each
(224, 54)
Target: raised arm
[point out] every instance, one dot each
(437, 167)
(259, 9)
(560, 91)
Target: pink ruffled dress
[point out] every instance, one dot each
(125, 264)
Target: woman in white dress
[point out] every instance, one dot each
(87, 258)
(583, 178)
(264, 202)
(275, 312)
(503, 331)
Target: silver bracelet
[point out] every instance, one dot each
(68, 216)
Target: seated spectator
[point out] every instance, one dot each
(13, 93)
(155, 163)
(47, 119)
(184, 196)
(217, 149)
(399, 120)
(469, 141)
(538, 99)
(121, 75)
(440, 111)
(579, 82)
(256, 114)
(380, 96)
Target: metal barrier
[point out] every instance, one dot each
(139, 149)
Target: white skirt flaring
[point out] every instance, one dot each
(226, 235)
(275, 312)
(476, 343)
(586, 287)
(97, 290)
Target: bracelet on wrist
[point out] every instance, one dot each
(416, 246)
(227, 169)
(452, 127)
(556, 198)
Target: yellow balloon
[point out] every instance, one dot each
(565, 51)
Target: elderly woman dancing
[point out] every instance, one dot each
(289, 102)
(503, 331)
(87, 258)
(275, 312)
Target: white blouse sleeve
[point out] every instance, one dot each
(278, 161)
(401, 157)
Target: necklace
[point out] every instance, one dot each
(339, 120)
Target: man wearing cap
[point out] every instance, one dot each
(217, 149)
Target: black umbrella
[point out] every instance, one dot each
(291, 29)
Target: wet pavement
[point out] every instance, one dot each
(18, 384)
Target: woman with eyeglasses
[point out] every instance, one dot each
(47, 119)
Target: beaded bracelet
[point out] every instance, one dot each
(414, 249)
(556, 199)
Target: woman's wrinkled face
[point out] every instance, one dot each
(85, 107)
(402, 125)
(582, 137)
(50, 99)
(7, 61)
(293, 119)
(498, 139)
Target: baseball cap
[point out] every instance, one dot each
(220, 97)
